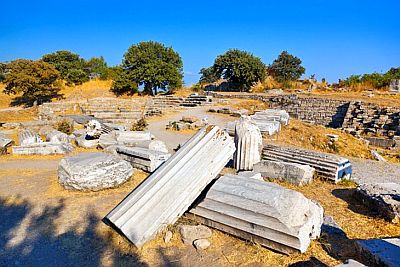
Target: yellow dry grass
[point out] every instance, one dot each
(301, 134)
(19, 115)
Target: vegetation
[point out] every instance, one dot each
(286, 68)
(2, 71)
(370, 80)
(151, 65)
(64, 126)
(34, 81)
(240, 68)
(140, 125)
(70, 65)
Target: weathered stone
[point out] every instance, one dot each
(394, 86)
(142, 158)
(155, 145)
(381, 197)
(377, 156)
(4, 143)
(201, 244)
(167, 237)
(330, 227)
(264, 212)
(45, 130)
(44, 148)
(130, 138)
(82, 141)
(95, 128)
(251, 174)
(57, 137)
(93, 171)
(382, 252)
(190, 119)
(27, 137)
(291, 172)
(248, 142)
(107, 139)
(190, 233)
(350, 263)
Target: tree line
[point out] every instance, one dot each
(150, 67)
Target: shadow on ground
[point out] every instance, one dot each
(354, 204)
(38, 243)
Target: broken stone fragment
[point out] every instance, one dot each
(167, 237)
(294, 173)
(251, 174)
(201, 244)
(381, 197)
(190, 233)
(248, 142)
(93, 171)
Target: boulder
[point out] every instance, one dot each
(381, 197)
(201, 244)
(291, 172)
(190, 233)
(93, 171)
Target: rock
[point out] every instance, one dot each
(142, 158)
(57, 137)
(248, 142)
(86, 143)
(130, 138)
(291, 172)
(382, 252)
(330, 227)
(45, 130)
(93, 171)
(350, 263)
(381, 197)
(190, 119)
(377, 156)
(251, 174)
(201, 244)
(189, 233)
(167, 237)
(107, 139)
(27, 137)
(79, 132)
(44, 148)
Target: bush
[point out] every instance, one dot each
(65, 126)
(140, 125)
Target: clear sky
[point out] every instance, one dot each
(333, 38)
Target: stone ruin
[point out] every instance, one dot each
(187, 123)
(394, 86)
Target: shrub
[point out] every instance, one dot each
(65, 126)
(140, 125)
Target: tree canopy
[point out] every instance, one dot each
(34, 80)
(371, 80)
(97, 68)
(240, 68)
(208, 75)
(151, 65)
(71, 66)
(286, 67)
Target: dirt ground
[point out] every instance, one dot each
(45, 225)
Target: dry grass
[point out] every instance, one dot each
(300, 134)
(18, 115)
(90, 89)
(184, 91)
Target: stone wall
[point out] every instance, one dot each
(356, 117)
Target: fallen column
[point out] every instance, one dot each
(142, 158)
(327, 166)
(248, 142)
(167, 193)
(271, 215)
(294, 173)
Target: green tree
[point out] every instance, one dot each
(97, 66)
(3, 67)
(151, 65)
(70, 65)
(240, 68)
(286, 68)
(32, 80)
(392, 74)
(208, 75)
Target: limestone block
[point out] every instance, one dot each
(82, 141)
(93, 171)
(248, 142)
(381, 197)
(251, 174)
(291, 172)
(142, 158)
(44, 148)
(382, 252)
(57, 137)
(129, 138)
(27, 137)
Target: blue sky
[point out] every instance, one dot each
(333, 38)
